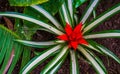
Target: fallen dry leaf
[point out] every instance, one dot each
(8, 23)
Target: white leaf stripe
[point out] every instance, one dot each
(55, 68)
(97, 60)
(109, 53)
(70, 8)
(73, 62)
(39, 59)
(65, 13)
(30, 19)
(93, 48)
(100, 19)
(55, 60)
(105, 51)
(37, 43)
(103, 35)
(91, 59)
(48, 15)
(89, 11)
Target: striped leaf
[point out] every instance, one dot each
(39, 59)
(57, 66)
(89, 10)
(108, 52)
(47, 15)
(37, 44)
(93, 61)
(65, 14)
(74, 63)
(109, 13)
(69, 5)
(104, 34)
(92, 46)
(54, 4)
(98, 60)
(30, 19)
(55, 60)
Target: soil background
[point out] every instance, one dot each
(113, 44)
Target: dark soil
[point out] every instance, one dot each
(113, 44)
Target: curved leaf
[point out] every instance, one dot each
(108, 52)
(28, 18)
(7, 45)
(92, 46)
(89, 10)
(98, 60)
(47, 15)
(39, 59)
(93, 61)
(115, 9)
(65, 15)
(55, 60)
(25, 2)
(104, 34)
(57, 66)
(37, 44)
(74, 63)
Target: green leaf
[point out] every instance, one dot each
(77, 3)
(25, 57)
(65, 14)
(19, 49)
(98, 60)
(30, 11)
(54, 4)
(69, 5)
(57, 66)
(104, 34)
(48, 16)
(33, 20)
(25, 2)
(74, 63)
(37, 44)
(93, 4)
(39, 59)
(92, 46)
(94, 62)
(55, 60)
(106, 51)
(6, 37)
(8, 48)
(109, 13)
(18, 52)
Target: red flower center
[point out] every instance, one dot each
(73, 37)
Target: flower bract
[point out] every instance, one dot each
(73, 36)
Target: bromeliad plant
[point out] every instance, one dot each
(73, 37)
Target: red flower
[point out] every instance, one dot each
(73, 37)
